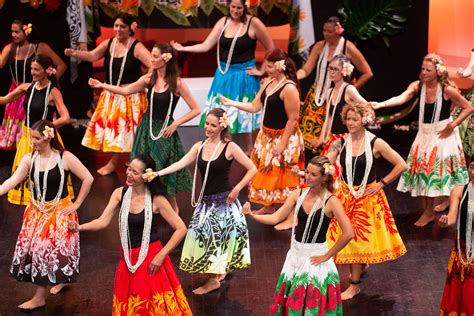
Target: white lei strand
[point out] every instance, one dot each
(168, 115)
(469, 217)
(348, 165)
(122, 66)
(322, 74)
(194, 203)
(264, 107)
(15, 77)
(125, 232)
(436, 112)
(330, 119)
(41, 196)
(231, 50)
(45, 111)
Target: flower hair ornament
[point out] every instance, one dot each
(28, 28)
(367, 119)
(134, 26)
(440, 68)
(166, 56)
(149, 175)
(280, 65)
(329, 168)
(347, 69)
(48, 132)
(338, 28)
(224, 121)
(51, 71)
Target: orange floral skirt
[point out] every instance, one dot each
(141, 293)
(274, 181)
(376, 238)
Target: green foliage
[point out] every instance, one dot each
(369, 19)
(207, 6)
(173, 14)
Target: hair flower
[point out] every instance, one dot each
(134, 26)
(367, 119)
(149, 175)
(48, 132)
(247, 4)
(280, 65)
(440, 68)
(166, 56)
(224, 121)
(338, 28)
(347, 69)
(51, 71)
(329, 169)
(28, 28)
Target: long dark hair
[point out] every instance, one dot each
(127, 19)
(45, 62)
(290, 71)
(54, 142)
(155, 186)
(320, 161)
(32, 38)
(243, 18)
(171, 72)
(219, 112)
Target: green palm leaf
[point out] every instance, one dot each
(369, 19)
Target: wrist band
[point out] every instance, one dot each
(383, 182)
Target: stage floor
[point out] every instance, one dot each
(411, 285)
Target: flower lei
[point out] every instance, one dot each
(280, 65)
(166, 56)
(48, 132)
(51, 71)
(134, 26)
(224, 121)
(149, 175)
(347, 69)
(338, 28)
(28, 28)
(367, 119)
(440, 68)
(329, 168)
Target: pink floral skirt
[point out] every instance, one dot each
(10, 131)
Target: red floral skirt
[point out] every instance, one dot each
(458, 295)
(141, 293)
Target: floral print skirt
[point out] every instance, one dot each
(304, 288)
(435, 165)
(141, 293)
(274, 181)
(46, 252)
(217, 241)
(10, 131)
(312, 120)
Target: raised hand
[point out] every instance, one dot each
(95, 84)
(177, 46)
(69, 52)
(246, 209)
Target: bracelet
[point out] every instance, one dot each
(383, 182)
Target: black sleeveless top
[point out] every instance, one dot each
(53, 181)
(37, 105)
(136, 223)
(337, 126)
(244, 49)
(275, 114)
(463, 219)
(218, 177)
(20, 63)
(429, 109)
(360, 165)
(303, 218)
(131, 71)
(161, 102)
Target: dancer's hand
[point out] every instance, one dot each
(446, 131)
(177, 46)
(156, 263)
(295, 171)
(315, 260)
(278, 149)
(169, 131)
(149, 175)
(73, 227)
(70, 209)
(377, 105)
(95, 84)
(317, 142)
(246, 209)
(69, 52)
(446, 221)
(232, 196)
(226, 101)
(373, 189)
(254, 71)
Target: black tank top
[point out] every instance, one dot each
(218, 177)
(20, 63)
(429, 109)
(37, 105)
(53, 181)
(244, 49)
(131, 71)
(161, 102)
(463, 210)
(303, 218)
(275, 114)
(360, 165)
(337, 126)
(136, 223)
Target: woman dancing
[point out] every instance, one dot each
(145, 280)
(436, 162)
(19, 55)
(113, 124)
(42, 100)
(279, 145)
(46, 253)
(217, 242)
(309, 270)
(156, 133)
(313, 112)
(236, 77)
(376, 238)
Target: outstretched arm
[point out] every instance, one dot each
(209, 42)
(15, 94)
(311, 62)
(20, 174)
(91, 56)
(406, 96)
(279, 215)
(104, 220)
(134, 87)
(184, 162)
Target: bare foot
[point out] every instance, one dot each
(106, 170)
(265, 210)
(441, 207)
(424, 220)
(33, 304)
(211, 285)
(350, 292)
(286, 224)
(57, 288)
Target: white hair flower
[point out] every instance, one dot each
(280, 65)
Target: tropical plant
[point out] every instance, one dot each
(369, 19)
